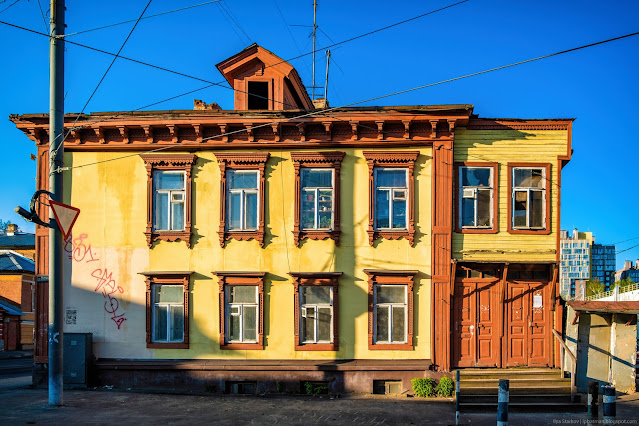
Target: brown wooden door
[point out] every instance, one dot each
(475, 331)
(527, 324)
(13, 334)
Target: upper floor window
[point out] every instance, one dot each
(392, 183)
(169, 203)
(529, 202)
(242, 189)
(477, 199)
(257, 94)
(317, 196)
(168, 197)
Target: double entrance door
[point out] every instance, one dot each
(491, 329)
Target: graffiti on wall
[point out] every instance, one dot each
(79, 250)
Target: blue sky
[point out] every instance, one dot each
(597, 86)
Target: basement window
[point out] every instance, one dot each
(387, 387)
(257, 94)
(241, 388)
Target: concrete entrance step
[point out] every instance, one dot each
(527, 398)
(515, 382)
(524, 407)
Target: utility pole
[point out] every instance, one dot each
(328, 61)
(56, 153)
(314, 31)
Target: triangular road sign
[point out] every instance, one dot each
(65, 215)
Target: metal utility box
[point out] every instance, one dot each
(78, 355)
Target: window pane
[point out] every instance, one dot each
(399, 319)
(324, 324)
(468, 211)
(251, 210)
(381, 206)
(391, 178)
(234, 213)
(399, 213)
(161, 210)
(316, 294)
(483, 207)
(168, 180)
(529, 178)
(317, 178)
(234, 327)
(536, 209)
(177, 216)
(325, 206)
(308, 324)
(475, 176)
(308, 209)
(159, 322)
(382, 324)
(521, 205)
(522, 177)
(177, 323)
(250, 324)
(242, 294)
(391, 293)
(169, 294)
(241, 179)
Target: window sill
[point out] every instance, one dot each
(389, 234)
(317, 347)
(152, 236)
(257, 235)
(529, 231)
(390, 347)
(476, 230)
(159, 345)
(242, 346)
(313, 234)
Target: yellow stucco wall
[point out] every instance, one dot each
(112, 199)
(503, 147)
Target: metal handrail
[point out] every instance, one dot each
(573, 365)
(625, 289)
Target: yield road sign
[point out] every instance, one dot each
(65, 215)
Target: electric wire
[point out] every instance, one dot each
(6, 8)
(630, 248)
(146, 17)
(228, 12)
(290, 33)
(44, 20)
(624, 241)
(327, 110)
(223, 13)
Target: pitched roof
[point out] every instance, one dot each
(10, 307)
(10, 261)
(18, 240)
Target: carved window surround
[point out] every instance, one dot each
(400, 159)
(166, 278)
(242, 161)
(316, 278)
(390, 277)
(241, 278)
(333, 160)
(456, 203)
(154, 162)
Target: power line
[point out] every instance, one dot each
(1, 11)
(621, 251)
(277, 6)
(44, 20)
(146, 17)
(327, 110)
(624, 241)
(230, 15)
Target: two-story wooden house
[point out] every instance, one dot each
(278, 242)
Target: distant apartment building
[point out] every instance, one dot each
(603, 264)
(575, 259)
(629, 271)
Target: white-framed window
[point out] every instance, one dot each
(476, 197)
(169, 188)
(316, 314)
(168, 313)
(529, 197)
(391, 198)
(241, 313)
(242, 200)
(317, 198)
(390, 313)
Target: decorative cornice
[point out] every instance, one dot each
(242, 158)
(481, 124)
(168, 160)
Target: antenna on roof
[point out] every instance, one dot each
(314, 31)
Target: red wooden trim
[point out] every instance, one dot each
(517, 124)
(155, 162)
(456, 186)
(329, 159)
(558, 220)
(166, 278)
(398, 159)
(390, 277)
(241, 278)
(316, 278)
(242, 161)
(548, 195)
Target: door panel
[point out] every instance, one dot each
(487, 334)
(516, 324)
(540, 340)
(464, 324)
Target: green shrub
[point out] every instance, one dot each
(445, 387)
(423, 386)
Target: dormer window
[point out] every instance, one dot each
(257, 94)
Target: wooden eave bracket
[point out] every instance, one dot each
(380, 129)
(148, 133)
(328, 125)
(451, 127)
(197, 128)
(276, 131)
(173, 132)
(33, 133)
(75, 132)
(354, 130)
(124, 132)
(407, 128)
(100, 134)
(249, 132)
(223, 130)
(433, 124)
(302, 130)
